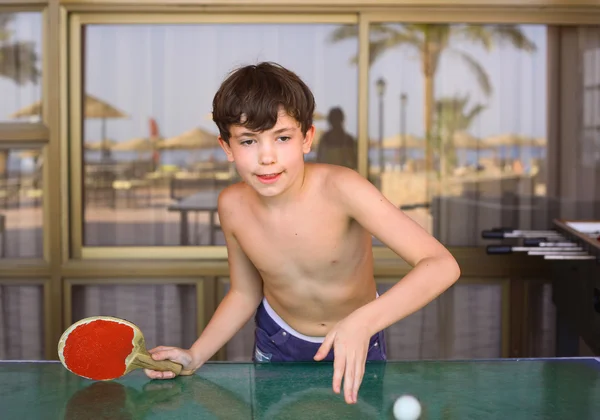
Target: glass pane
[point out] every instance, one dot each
(542, 313)
(457, 125)
(152, 163)
(20, 66)
(463, 323)
(477, 321)
(21, 196)
(21, 322)
(416, 337)
(588, 168)
(165, 313)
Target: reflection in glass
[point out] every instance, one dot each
(336, 146)
(21, 198)
(20, 66)
(166, 313)
(22, 327)
(152, 164)
(457, 122)
(464, 323)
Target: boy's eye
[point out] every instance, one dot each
(246, 142)
(284, 138)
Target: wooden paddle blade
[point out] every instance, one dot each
(97, 348)
(145, 361)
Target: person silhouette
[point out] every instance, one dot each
(336, 146)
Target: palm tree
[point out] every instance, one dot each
(452, 116)
(430, 41)
(18, 62)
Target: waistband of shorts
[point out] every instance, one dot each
(279, 321)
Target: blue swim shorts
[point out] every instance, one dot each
(276, 341)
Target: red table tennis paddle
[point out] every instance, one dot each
(105, 348)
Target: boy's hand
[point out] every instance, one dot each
(350, 342)
(184, 357)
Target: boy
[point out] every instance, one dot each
(299, 241)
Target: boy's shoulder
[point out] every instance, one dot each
(336, 177)
(232, 197)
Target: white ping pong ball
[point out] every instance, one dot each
(407, 407)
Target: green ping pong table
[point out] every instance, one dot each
(566, 389)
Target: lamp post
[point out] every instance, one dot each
(380, 84)
(403, 101)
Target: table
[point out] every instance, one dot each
(572, 248)
(202, 201)
(487, 389)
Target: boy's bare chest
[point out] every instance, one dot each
(301, 243)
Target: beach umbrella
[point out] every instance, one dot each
(501, 140)
(511, 140)
(196, 138)
(93, 108)
(99, 145)
(464, 140)
(539, 141)
(397, 140)
(137, 144)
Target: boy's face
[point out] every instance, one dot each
(272, 160)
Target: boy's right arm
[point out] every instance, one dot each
(234, 311)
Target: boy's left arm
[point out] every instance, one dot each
(435, 270)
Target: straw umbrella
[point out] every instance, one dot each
(196, 138)
(137, 144)
(398, 140)
(93, 108)
(99, 144)
(505, 140)
(465, 140)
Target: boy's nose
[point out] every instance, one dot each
(267, 156)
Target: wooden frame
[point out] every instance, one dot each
(76, 22)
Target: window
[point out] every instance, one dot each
(457, 124)
(20, 66)
(21, 199)
(152, 164)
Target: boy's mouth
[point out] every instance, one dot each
(268, 178)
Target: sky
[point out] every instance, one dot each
(171, 72)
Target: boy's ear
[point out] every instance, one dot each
(226, 148)
(308, 139)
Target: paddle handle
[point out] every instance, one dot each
(146, 361)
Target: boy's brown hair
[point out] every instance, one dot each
(252, 96)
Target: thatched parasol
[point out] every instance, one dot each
(397, 141)
(465, 140)
(99, 145)
(196, 138)
(93, 108)
(137, 144)
(508, 139)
